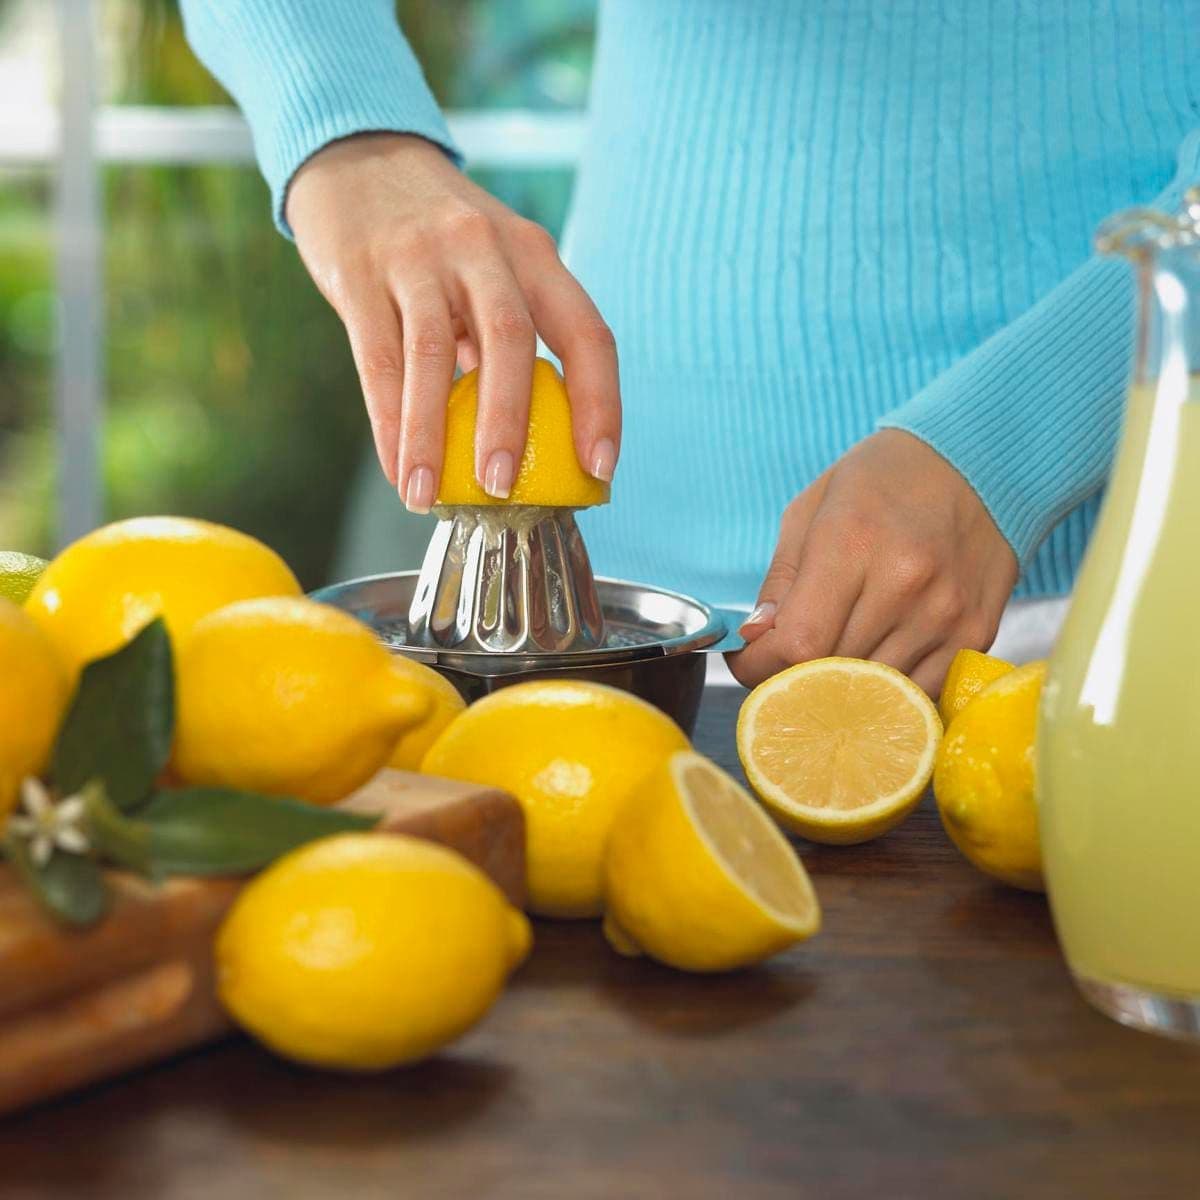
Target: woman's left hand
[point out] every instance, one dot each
(889, 555)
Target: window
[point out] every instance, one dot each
(221, 385)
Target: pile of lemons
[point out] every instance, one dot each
(363, 951)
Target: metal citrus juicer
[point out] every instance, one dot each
(506, 593)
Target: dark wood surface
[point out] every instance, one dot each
(927, 1044)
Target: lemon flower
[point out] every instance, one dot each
(47, 825)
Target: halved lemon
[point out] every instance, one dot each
(697, 876)
(839, 749)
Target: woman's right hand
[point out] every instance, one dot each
(426, 269)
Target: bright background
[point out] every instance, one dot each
(226, 384)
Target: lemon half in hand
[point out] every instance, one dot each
(549, 473)
(697, 876)
(840, 750)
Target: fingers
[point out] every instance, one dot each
(906, 646)
(904, 611)
(573, 328)
(812, 613)
(430, 351)
(465, 305)
(423, 268)
(373, 327)
(501, 326)
(930, 672)
(922, 648)
(782, 572)
(780, 576)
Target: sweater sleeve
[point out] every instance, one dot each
(1031, 417)
(307, 72)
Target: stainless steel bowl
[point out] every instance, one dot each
(655, 646)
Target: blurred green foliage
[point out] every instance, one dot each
(230, 390)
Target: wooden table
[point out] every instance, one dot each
(927, 1044)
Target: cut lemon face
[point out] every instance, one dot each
(697, 875)
(840, 750)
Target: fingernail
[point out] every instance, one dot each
(604, 460)
(498, 478)
(418, 492)
(760, 615)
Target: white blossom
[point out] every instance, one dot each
(48, 825)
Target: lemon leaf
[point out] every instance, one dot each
(119, 725)
(70, 887)
(217, 831)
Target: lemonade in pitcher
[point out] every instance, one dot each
(1118, 755)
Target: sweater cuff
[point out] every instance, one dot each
(310, 72)
(1031, 417)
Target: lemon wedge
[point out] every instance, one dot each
(697, 876)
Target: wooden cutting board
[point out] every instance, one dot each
(80, 1006)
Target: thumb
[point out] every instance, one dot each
(785, 562)
(779, 577)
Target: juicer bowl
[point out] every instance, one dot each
(654, 642)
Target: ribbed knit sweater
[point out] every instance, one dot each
(806, 220)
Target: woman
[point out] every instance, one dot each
(843, 246)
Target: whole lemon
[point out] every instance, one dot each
(984, 778)
(549, 473)
(33, 695)
(289, 697)
(698, 876)
(571, 753)
(445, 703)
(969, 673)
(102, 589)
(364, 951)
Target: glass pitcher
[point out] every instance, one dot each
(1118, 754)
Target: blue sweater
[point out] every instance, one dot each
(806, 221)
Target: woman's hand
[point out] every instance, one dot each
(889, 555)
(426, 269)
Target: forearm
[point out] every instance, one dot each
(1031, 417)
(307, 72)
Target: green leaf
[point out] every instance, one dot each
(119, 726)
(70, 887)
(214, 831)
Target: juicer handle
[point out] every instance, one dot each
(732, 640)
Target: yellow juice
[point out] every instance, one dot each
(1118, 756)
